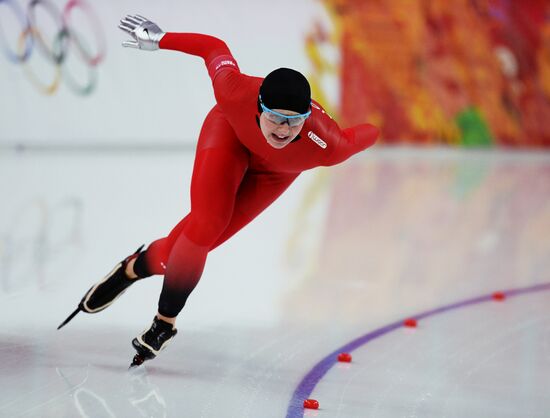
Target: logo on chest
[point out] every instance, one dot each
(316, 139)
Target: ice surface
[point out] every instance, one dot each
(346, 251)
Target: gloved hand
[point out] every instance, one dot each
(146, 34)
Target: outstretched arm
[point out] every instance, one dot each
(146, 34)
(149, 36)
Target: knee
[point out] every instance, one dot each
(205, 230)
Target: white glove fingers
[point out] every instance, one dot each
(145, 34)
(126, 28)
(133, 20)
(130, 44)
(129, 23)
(128, 19)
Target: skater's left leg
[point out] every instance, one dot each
(187, 257)
(256, 192)
(220, 165)
(213, 189)
(215, 183)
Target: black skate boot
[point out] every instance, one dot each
(152, 341)
(104, 293)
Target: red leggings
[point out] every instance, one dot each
(225, 196)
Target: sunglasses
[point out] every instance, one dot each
(279, 119)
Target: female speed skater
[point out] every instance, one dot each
(256, 140)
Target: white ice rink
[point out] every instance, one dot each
(335, 265)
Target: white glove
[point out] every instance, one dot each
(146, 34)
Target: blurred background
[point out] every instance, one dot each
(474, 73)
(97, 142)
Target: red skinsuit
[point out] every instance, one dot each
(236, 174)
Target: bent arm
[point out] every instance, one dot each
(352, 141)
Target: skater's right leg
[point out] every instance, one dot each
(185, 263)
(217, 174)
(219, 168)
(129, 270)
(103, 294)
(187, 257)
(220, 165)
(150, 342)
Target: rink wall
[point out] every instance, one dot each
(387, 219)
(67, 217)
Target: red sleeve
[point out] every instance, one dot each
(352, 141)
(214, 51)
(342, 143)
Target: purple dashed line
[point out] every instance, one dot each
(307, 385)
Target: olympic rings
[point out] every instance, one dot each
(58, 48)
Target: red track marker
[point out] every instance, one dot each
(311, 404)
(410, 323)
(499, 296)
(344, 358)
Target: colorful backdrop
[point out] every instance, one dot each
(468, 72)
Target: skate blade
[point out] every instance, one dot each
(137, 361)
(71, 316)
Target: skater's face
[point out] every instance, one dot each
(280, 132)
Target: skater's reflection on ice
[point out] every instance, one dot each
(142, 395)
(145, 396)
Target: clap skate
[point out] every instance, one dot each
(104, 293)
(152, 341)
